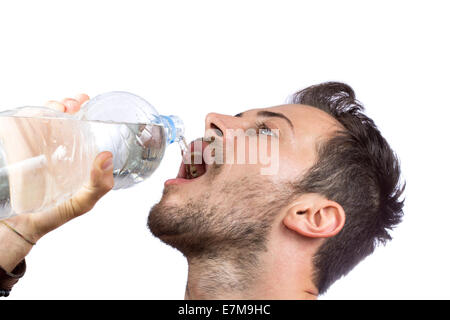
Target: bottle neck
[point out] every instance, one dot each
(173, 127)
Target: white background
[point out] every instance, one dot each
(194, 57)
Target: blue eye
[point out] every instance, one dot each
(266, 131)
(263, 129)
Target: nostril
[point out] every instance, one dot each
(216, 130)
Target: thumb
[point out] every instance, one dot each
(100, 183)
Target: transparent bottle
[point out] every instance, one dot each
(46, 155)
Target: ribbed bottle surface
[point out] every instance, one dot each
(46, 156)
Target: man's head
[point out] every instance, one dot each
(336, 188)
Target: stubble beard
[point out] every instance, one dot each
(234, 218)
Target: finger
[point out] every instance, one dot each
(100, 183)
(82, 98)
(55, 105)
(72, 105)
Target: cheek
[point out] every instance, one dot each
(231, 172)
(292, 168)
(249, 149)
(264, 157)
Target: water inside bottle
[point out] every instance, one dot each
(49, 159)
(138, 149)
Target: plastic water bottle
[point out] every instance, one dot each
(46, 155)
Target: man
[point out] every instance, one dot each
(248, 235)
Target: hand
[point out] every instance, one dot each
(34, 226)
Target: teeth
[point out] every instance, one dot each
(188, 171)
(190, 167)
(191, 171)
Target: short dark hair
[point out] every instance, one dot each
(358, 169)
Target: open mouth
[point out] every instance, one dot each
(193, 165)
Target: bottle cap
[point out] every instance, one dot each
(174, 128)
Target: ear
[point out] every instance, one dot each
(314, 216)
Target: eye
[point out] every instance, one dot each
(264, 129)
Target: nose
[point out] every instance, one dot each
(219, 123)
(214, 123)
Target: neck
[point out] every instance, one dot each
(240, 276)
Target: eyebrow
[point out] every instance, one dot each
(270, 114)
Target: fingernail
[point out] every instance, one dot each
(107, 164)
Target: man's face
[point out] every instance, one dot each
(235, 203)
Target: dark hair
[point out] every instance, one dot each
(357, 169)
